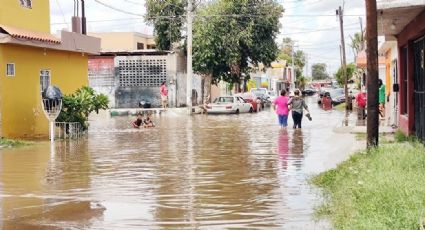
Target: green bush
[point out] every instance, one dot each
(78, 106)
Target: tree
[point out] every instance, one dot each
(78, 106)
(319, 71)
(286, 49)
(167, 17)
(356, 43)
(302, 82)
(227, 47)
(351, 69)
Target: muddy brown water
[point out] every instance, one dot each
(199, 172)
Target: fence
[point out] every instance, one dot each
(68, 130)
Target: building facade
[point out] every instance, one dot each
(404, 22)
(125, 41)
(30, 60)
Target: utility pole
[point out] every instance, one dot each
(83, 18)
(372, 74)
(340, 13)
(189, 57)
(306, 65)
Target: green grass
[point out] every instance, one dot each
(12, 143)
(381, 189)
(340, 106)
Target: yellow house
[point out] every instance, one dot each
(31, 59)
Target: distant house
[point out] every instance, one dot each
(403, 25)
(30, 60)
(125, 41)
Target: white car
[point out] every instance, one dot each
(229, 104)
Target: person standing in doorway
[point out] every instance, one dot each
(280, 104)
(164, 95)
(297, 104)
(381, 99)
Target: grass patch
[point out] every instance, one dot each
(12, 143)
(380, 189)
(340, 106)
(361, 136)
(400, 137)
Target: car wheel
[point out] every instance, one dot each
(251, 110)
(237, 111)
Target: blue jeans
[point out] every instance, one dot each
(283, 120)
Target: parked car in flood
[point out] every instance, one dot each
(251, 98)
(229, 104)
(262, 95)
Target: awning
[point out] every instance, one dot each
(361, 59)
(18, 33)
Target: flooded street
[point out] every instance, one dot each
(199, 172)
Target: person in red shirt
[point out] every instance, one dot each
(361, 100)
(164, 95)
(327, 101)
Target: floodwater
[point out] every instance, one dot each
(199, 172)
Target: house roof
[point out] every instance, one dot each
(361, 59)
(28, 34)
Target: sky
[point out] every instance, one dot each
(312, 24)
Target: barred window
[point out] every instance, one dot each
(44, 79)
(26, 3)
(10, 69)
(148, 73)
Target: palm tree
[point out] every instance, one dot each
(357, 43)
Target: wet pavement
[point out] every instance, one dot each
(199, 172)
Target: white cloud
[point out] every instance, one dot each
(319, 36)
(101, 18)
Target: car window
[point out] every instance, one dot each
(226, 99)
(242, 100)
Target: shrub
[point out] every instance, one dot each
(78, 106)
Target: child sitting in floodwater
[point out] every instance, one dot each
(138, 122)
(148, 122)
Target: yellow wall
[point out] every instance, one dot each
(37, 18)
(22, 114)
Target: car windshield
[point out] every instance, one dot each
(258, 91)
(224, 100)
(337, 92)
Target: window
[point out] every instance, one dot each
(10, 69)
(26, 3)
(151, 47)
(44, 79)
(140, 46)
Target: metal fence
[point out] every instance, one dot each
(68, 130)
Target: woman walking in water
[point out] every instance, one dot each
(280, 104)
(298, 105)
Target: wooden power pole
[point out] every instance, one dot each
(340, 13)
(372, 74)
